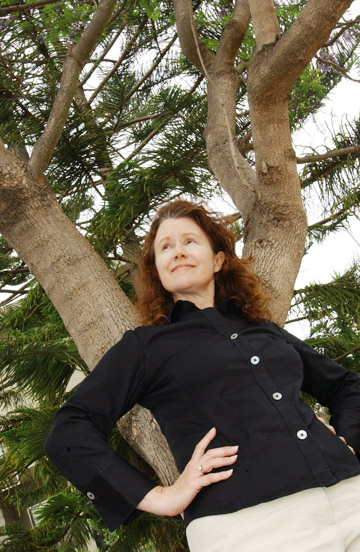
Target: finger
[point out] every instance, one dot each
(330, 427)
(213, 463)
(211, 478)
(220, 452)
(349, 446)
(203, 444)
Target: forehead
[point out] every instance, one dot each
(173, 227)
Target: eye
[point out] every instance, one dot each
(189, 240)
(165, 246)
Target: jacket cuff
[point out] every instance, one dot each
(116, 494)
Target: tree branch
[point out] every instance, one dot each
(321, 173)
(73, 65)
(296, 319)
(266, 25)
(344, 355)
(143, 78)
(17, 292)
(337, 68)
(14, 293)
(189, 40)
(278, 68)
(233, 33)
(25, 7)
(140, 119)
(344, 27)
(329, 219)
(328, 154)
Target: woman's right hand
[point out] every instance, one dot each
(170, 501)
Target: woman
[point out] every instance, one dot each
(258, 470)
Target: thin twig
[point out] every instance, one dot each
(344, 27)
(344, 355)
(337, 68)
(17, 292)
(160, 127)
(26, 7)
(328, 219)
(328, 154)
(100, 59)
(296, 319)
(118, 63)
(140, 119)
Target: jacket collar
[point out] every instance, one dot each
(181, 309)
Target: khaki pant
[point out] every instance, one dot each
(325, 519)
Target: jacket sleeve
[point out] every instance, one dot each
(78, 441)
(333, 386)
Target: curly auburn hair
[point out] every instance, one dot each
(235, 280)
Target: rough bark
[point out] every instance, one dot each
(266, 25)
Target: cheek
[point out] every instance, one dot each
(160, 267)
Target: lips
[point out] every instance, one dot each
(177, 267)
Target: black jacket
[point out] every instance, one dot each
(208, 368)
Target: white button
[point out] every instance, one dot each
(301, 434)
(90, 495)
(277, 396)
(233, 336)
(255, 360)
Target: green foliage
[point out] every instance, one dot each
(333, 311)
(150, 532)
(37, 356)
(306, 97)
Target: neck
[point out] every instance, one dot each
(199, 301)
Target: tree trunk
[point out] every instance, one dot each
(91, 304)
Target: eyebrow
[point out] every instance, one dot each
(186, 234)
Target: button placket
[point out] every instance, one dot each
(289, 414)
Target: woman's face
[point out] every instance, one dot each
(185, 261)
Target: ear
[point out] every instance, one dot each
(219, 261)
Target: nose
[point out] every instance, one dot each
(179, 251)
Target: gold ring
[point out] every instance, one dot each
(200, 468)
